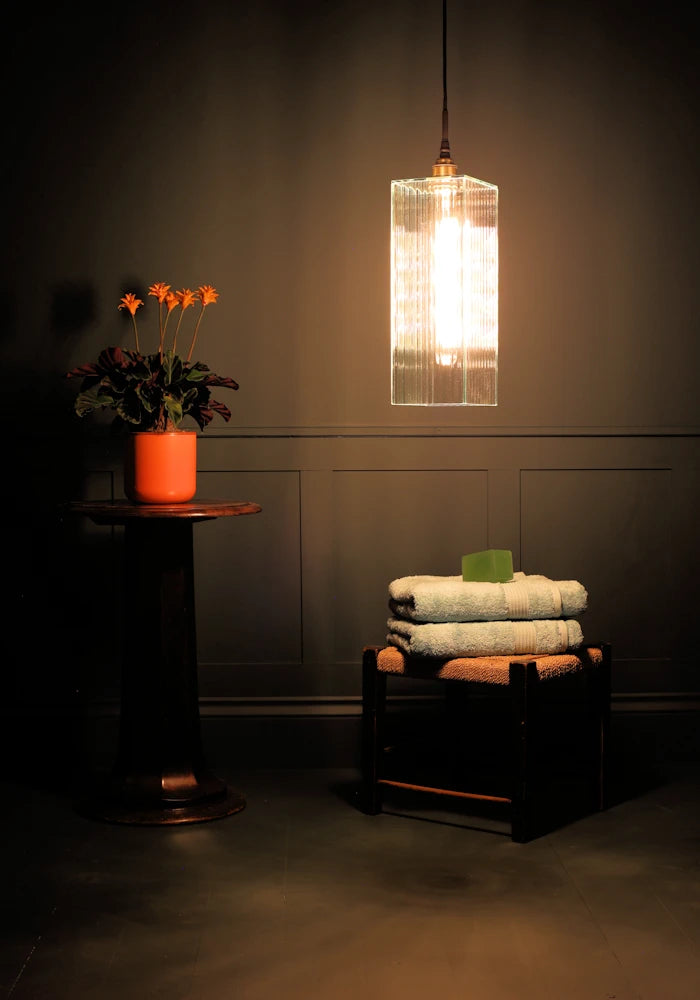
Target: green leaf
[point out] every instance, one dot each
(129, 408)
(172, 367)
(91, 399)
(127, 414)
(173, 407)
(148, 395)
(195, 374)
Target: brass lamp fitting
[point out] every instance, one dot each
(444, 167)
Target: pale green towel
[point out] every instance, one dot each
(452, 599)
(449, 640)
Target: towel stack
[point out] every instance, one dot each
(447, 617)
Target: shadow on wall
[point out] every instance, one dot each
(46, 469)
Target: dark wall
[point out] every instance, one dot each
(251, 146)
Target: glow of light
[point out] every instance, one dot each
(446, 273)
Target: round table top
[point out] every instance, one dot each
(120, 511)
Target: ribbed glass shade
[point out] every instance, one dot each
(444, 291)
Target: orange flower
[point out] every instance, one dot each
(130, 302)
(186, 298)
(207, 294)
(170, 301)
(160, 290)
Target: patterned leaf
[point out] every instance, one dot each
(91, 399)
(221, 409)
(226, 383)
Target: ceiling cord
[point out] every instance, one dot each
(445, 142)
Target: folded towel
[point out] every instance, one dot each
(452, 599)
(501, 638)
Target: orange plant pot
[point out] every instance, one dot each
(161, 466)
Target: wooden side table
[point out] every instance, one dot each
(160, 775)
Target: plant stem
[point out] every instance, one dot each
(165, 326)
(161, 330)
(194, 335)
(179, 320)
(136, 333)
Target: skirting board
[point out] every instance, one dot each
(647, 736)
(301, 707)
(349, 706)
(325, 733)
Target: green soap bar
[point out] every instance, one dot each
(490, 566)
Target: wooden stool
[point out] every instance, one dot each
(580, 679)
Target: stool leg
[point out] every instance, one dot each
(373, 710)
(601, 708)
(522, 682)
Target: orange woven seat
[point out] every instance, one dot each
(484, 669)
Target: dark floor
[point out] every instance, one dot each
(303, 896)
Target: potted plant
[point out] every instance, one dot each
(151, 394)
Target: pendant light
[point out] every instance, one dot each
(444, 282)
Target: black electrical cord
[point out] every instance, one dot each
(445, 142)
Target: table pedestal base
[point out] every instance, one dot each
(112, 809)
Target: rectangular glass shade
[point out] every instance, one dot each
(444, 292)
